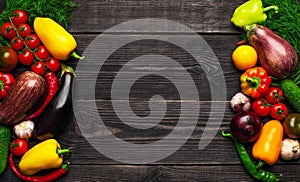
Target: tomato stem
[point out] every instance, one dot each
(18, 35)
(1, 85)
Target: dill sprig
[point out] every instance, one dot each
(58, 10)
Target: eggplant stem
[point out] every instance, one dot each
(66, 69)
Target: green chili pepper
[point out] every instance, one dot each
(251, 12)
(259, 174)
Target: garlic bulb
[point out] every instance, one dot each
(290, 149)
(24, 129)
(240, 102)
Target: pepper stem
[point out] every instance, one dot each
(63, 151)
(254, 82)
(271, 7)
(226, 134)
(75, 55)
(260, 164)
(65, 166)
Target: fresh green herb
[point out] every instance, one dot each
(58, 10)
(286, 22)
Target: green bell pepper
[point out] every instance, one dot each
(251, 12)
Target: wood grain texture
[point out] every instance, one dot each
(219, 160)
(211, 16)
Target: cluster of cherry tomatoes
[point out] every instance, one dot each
(31, 51)
(271, 104)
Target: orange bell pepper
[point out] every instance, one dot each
(255, 82)
(267, 147)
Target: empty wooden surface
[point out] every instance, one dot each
(219, 160)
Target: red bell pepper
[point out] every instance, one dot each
(255, 82)
(6, 80)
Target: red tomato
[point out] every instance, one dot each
(42, 53)
(274, 95)
(53, 64)
(16, 43)
(7, 31)
(261, 107)
(18, 147)
(32, 41)
(24, 29)
(39, 68)
(19, 17)
(26, 57)
(279, 111)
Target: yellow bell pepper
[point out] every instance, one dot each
(267, 147)
(44, 155)
(59, 42)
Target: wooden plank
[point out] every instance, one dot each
(148, 173)
(211, 16)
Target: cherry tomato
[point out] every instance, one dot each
(16, 43)
(279, 111)
(26, 57)
(42, 53)
(8, 59)
(8, 31)
(19, 17)
(274, 95)
(261, 107)
(23, 29)
(18, 146)
(39, 68)
(53, 64)
(32, 41)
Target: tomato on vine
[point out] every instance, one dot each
(53, 64)
(19, 16)
(42, 53)
(24, 30)
(32, 41)
(26, 57)
(16, 43)
(7, 31)
(39, 68)
(274, 95)
(279, 111)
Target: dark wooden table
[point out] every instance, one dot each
(216, 162)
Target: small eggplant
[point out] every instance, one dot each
(55, 115)
(276, 55)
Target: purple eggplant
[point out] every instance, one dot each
(246, 126)
(276, 55)
(25, 96)
(55, 115)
